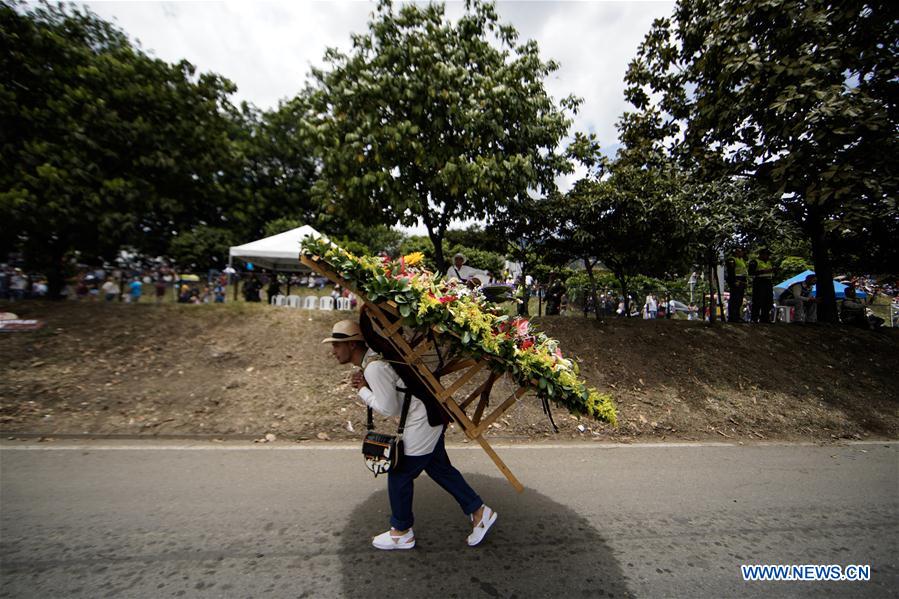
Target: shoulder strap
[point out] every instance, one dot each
(407, 399)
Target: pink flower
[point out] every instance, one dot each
(521, 327)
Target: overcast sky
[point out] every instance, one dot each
(266, 48)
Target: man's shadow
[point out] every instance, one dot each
(537, 548)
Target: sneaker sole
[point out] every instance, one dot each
(394, 547)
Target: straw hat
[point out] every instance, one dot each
(345, 330)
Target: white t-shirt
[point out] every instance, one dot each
(381, 395)
(464, 273)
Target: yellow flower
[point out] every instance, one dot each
(413, 258)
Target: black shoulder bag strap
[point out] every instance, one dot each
(407, 399)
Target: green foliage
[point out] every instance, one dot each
(791, 266)
(475, 257)
(800, 96)
(201, 248)
(274, 170)
(476, 236)
(433, 120)
(525, 226)
(101, 145)
(280, 225)
(630, 222)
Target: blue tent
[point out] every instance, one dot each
(839, 289)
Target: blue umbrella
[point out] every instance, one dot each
(839, 289)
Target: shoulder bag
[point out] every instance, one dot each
(382, 453)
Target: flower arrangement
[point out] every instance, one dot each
(479, 328)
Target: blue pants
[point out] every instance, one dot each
(401, 485)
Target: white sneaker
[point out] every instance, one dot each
(388, 542)
(488, 517)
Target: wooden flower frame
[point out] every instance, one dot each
(388, 322)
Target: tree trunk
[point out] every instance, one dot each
(436, 238)
(827, 306)
(589, 266)
(713, 286)
(56, 276)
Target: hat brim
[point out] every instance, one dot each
(356, 337)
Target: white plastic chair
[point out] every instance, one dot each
(293, 301)
(343, 303)
(782, 313)
(277, 300)
(326, 302)
(310, 302)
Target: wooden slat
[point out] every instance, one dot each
(422, 348)
(500, 464)
(482, 426)
(479, 411)
(393, 328)
(456, 366)
(464, 379)
(474, 394)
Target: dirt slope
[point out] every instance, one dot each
(252, 369)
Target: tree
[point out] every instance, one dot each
(434, 120)
(722, 214)
(100, 145)
(274, 173)
(525, 226)
(630, 222)
(475, 257)
(800, 95)
(201, 248)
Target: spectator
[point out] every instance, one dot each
(219, 291)
(554, 292)
(462, 273)
(737, 279)
(160, 287)
(762, 271)
(799, 295)
(18, 284)
(184, 294)
(81, 288)
(136, 289)
(651, 307)
(854, 312)
(110, 290)
(252, 288)
(274, 288)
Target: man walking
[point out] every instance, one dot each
(380, 388)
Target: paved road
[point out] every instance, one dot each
(104, 519)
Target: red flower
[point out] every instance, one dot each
(527, 343)
(446, 299)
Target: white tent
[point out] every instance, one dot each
(278, 252)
